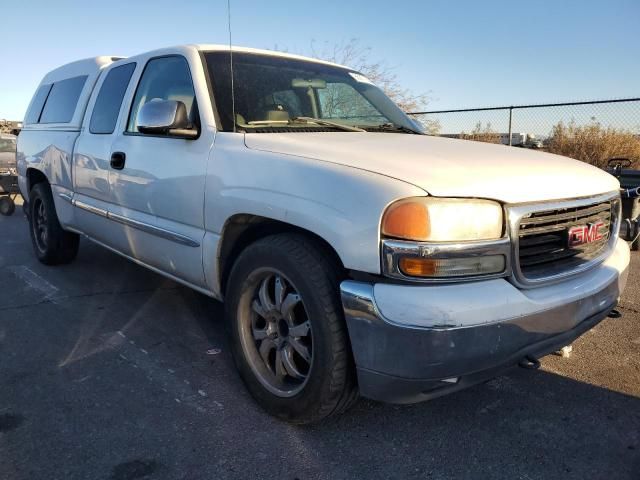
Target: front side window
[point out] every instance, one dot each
(282, 94)
(62, 100)
(107, 106)
(165, 78)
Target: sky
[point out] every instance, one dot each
(463, 53)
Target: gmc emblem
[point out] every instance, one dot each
(583, 234)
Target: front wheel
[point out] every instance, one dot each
(287, 330)
(51, 243)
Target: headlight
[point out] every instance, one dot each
(428, 219)
(444, 238)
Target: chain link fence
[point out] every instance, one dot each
(593, 132)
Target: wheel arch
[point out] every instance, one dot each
(241, 230)
(35, 176)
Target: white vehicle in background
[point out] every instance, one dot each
(533, 142)
(354, 254)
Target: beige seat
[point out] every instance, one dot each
(273, 113)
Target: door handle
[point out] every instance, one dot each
(117, 160)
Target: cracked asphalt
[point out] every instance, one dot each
(109, 371)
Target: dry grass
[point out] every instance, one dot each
(594, 143)
(482, 134)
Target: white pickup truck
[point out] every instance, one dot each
(354, 254)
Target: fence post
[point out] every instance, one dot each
(510, 119)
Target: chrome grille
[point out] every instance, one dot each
(542, 249)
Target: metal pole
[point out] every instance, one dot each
(510, 119)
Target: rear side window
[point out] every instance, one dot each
(62, 100)
(107, 106)
(33, 115)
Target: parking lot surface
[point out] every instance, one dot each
(109, 371)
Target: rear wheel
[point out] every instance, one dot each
(287, 330)
(51, 243)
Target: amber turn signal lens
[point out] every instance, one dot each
(418, 267)
(408, 220)
(452, 267)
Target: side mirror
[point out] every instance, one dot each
(165, 117)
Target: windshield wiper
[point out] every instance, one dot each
(327, 123)
(392, 127)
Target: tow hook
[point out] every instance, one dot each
(529, 362)
(614, 314)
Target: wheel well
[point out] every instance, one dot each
(242, 230)
(35, 176)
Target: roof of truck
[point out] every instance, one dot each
(86, 66)
(273, 53)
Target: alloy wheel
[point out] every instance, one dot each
(40, 226)
(275, 332)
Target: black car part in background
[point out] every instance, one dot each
(630, 191)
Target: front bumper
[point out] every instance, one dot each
(413, 343)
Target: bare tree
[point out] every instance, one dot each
(358, 57)
(354, 55)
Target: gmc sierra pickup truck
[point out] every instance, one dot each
(355, 255)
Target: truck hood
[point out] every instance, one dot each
(447, 167)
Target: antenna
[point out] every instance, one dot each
(233, 93)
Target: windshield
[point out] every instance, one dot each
(7, 145)
(283, 94)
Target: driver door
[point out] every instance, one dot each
(157, 181)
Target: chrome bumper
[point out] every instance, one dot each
(400, 362)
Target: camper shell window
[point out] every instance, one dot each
(62, 100)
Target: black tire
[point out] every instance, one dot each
(635, 246)
(52, 244)
(330, 386)
(7, 206)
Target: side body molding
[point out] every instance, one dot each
(145, 227)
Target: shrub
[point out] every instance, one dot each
(594, 144)
(481, 134)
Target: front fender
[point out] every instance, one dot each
(343, 205)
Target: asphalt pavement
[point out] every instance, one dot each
(109, 371)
